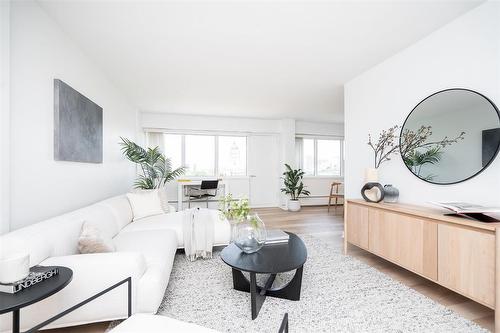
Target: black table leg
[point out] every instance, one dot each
(290, 291)
(15, 321)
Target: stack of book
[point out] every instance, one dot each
(277, 237)
(36, 275)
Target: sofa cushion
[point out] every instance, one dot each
(158, 248)
(121, 209)
(101, 217)
(145, 203)
(141, 322)
(174, 221)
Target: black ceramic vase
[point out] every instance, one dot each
(373, 192)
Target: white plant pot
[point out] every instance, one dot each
(293, 205)
(14, 268)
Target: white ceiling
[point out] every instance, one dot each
(261, 59)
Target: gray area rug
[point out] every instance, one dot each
(339, 294)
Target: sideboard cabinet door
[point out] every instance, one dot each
(357, 225)
(405, 240)
(467, 262)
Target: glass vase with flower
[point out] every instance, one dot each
(248, 231)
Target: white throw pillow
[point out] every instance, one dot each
(145, 203)
(93, 241)
(162, 194)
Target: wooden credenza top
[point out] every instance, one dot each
(426, 212)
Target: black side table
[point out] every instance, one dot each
(14, 302)
(270, 259)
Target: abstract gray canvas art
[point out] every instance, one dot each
(77, 126)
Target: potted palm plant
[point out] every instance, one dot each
(294, 187)
(156, 169)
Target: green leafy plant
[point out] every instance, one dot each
(155, 167)
(234, 209)
(416, 159)
(293, 185)
(417, 150)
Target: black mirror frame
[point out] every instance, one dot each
(438, 92)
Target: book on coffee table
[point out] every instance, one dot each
(277, 237)
(36, 275)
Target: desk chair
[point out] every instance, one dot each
(207, 190)
(334, 193)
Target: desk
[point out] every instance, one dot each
(181, 184)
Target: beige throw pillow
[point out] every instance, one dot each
(145, 203)
(93, 241)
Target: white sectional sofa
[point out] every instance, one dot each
(145, 251)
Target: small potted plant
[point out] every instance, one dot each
(294, 187)
(248, 231)
(234, 210)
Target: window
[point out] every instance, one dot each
(232, 155)
(320, 157)
(328, 157)
(204, 155)
(308, 156)
(172, 148)
(199, 155)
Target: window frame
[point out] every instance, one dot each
(315, 138)
(216, 136)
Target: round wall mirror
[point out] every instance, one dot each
(450, 136)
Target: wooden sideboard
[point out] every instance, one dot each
(457, 253)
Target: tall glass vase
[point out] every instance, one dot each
(233, 223)
(249, 234)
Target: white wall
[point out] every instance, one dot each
(4, 116)
(315, 128)
(464, 53)
(40, 186)
(208, 123)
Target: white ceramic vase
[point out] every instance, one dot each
(371, 176)
(293, 205)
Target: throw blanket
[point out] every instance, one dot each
(198, 229)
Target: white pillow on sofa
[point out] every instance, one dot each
(145, 203)
(162, 194)
(91, 240)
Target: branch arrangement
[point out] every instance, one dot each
(385, 146)
(412, 140)
(410, 146)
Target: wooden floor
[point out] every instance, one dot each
(329, 227)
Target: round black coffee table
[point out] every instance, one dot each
(14, 302)
(271, 259)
